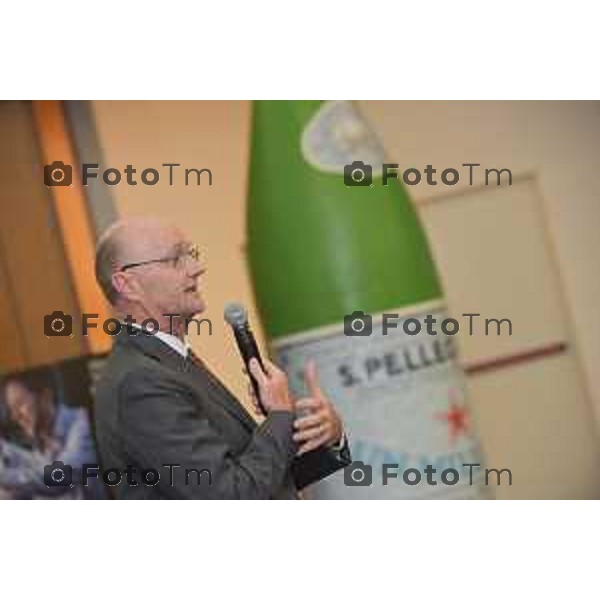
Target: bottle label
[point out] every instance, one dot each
(402, 400)
(337, 135)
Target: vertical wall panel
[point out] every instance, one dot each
(73, 219)
(33, 253)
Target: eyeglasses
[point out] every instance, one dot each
(177, 261)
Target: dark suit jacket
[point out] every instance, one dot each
(155, 408)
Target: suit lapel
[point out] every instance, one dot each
(218, 390)
(192, 370)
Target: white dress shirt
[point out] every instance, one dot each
(181, 347)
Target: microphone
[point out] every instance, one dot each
(236, 315)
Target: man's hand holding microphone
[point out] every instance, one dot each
(317, 424)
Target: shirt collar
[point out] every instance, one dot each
(181, 347)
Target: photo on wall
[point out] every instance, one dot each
(46, 433)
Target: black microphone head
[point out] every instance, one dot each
(235, 314)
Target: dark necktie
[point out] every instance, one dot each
(195, 360)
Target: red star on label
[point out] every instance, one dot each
(457, 418)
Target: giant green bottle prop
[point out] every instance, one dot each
(320, 250)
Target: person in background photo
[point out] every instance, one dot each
(37, 431)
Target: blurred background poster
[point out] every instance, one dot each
(44, 418)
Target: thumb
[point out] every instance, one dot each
(257, 372)
(311, 379)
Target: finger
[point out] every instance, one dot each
(309, 421)
(311, 379)
(308, 404)
(311, 445)
(256, 406)
(257, 372)
(309, 434)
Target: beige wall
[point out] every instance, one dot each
(557, 144)
(540, 419)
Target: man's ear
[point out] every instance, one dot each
(124, 285)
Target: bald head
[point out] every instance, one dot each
(148, 269)
(127, 241)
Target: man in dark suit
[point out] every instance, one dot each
(164, 420)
